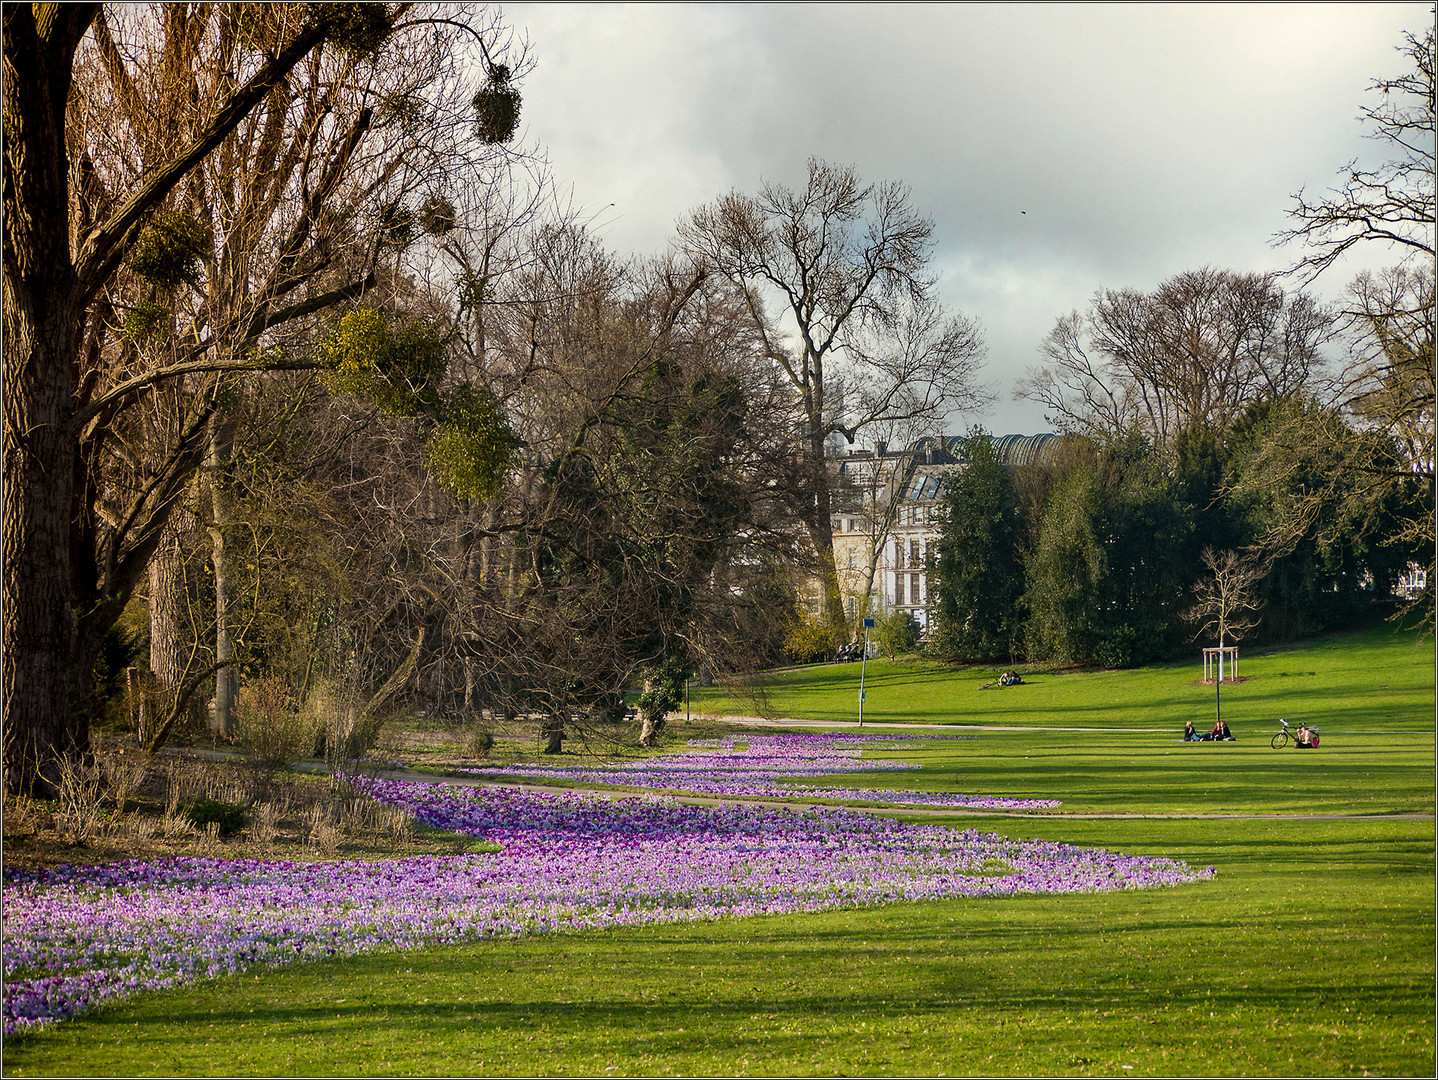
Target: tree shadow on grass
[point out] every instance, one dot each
(790, 985)
(693, 1020)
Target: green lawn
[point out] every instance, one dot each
(1380, 680)
(1147, 774)
(1311, 953)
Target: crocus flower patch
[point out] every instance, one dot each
(77, 937)
(766, 769)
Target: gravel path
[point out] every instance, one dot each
(853, 725)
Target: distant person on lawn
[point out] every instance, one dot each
(1220, 733)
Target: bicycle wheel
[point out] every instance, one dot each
(1280, 740)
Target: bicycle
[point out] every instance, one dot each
(1287, 735)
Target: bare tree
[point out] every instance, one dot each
(848, 265)
(1225, 604)
(74, 215)
(870, 493)
(302, 207)
(652, 485)
(1390, 382)
(1386, 389)
(1392, 203)
(1197, 350)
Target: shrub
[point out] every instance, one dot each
(228, 817)
(897, 632)
(78, 815)
(347, 735)
(123, 777)
(267, 727)
(480, 744)
(265, 827)
(809, 640)
(337, 730)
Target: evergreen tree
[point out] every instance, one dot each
(977, 581)
(1113, 564)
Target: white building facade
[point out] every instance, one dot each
(888, 516)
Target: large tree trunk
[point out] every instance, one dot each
(222, 435)
(552, 731)
(39, 618)
(42, 322)
(168, 648)
(821, 532)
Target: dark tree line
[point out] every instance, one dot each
(585, 503)
(1095, 554)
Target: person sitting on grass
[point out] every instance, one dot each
(1307, 740)
(1189, 734)
(1220, 733)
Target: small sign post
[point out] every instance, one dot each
(863, 664)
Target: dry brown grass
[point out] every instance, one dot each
(129, 804)
(125, 804)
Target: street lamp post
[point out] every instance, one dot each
(863, 666)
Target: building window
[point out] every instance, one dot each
(915, 559)
(914, 590)
(898, 589)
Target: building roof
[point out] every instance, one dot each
(1015, 451)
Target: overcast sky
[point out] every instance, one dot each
(1058, 148)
